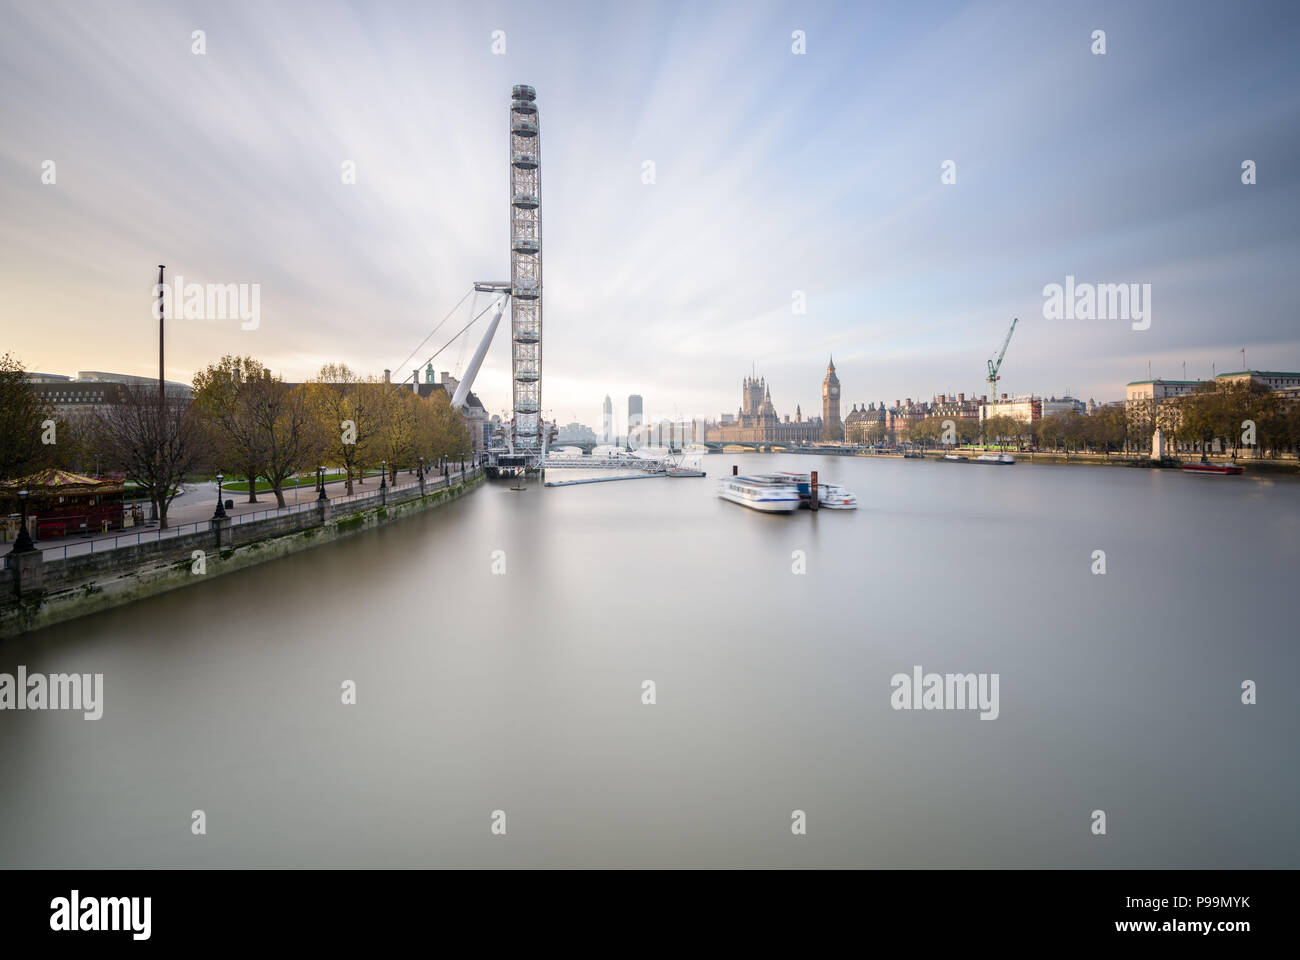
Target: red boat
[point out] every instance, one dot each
(1225, 469)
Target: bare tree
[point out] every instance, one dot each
(1142, 417)
(155, 442)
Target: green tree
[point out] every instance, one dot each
(446, 432)
(1001, 429)
(224, 396)
(926, 432)
(1199, 417)
(345, 407)
(1050, 432)
(1248, 400)
(397, 429)
(1107, 428)
(22, 415)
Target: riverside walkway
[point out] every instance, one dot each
(192, 510)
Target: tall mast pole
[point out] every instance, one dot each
(161, 315)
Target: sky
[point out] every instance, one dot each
(778, 176)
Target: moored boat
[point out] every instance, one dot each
(767, 494)
(955, 458)
(998, 458)
(832, 496)
(1213, 469)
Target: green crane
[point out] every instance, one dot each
(996, 365)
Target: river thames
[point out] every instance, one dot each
(521, 691)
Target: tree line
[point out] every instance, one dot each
(1241, 413)
(1106, 429)
(240, 420)
(1236, 414)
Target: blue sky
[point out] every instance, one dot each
(774, 173)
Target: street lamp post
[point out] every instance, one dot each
(220, 512)
(24, 542)
(320, 472)
(383, 474)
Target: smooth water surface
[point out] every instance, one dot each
(522, 691)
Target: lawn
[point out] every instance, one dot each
(241, 486)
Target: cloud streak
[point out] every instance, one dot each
(774, 172)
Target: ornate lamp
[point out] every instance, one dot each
(220, 512)
(23, 544)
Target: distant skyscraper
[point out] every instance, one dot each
(607, 435)
(634, 418)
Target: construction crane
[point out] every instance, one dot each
(996, 365)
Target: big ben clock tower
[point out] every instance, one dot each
(832, 428)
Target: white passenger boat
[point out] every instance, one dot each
(998, 458)
(832, 496)
(767, 494)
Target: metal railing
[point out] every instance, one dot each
(104, 544)
(270, 512)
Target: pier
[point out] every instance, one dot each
(630, 476)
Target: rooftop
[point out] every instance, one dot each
(1258, 373)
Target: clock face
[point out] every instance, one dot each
(835, 391)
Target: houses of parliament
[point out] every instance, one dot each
(758, 422)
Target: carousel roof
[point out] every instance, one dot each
(61, 482)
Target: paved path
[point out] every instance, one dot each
(196, 505)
